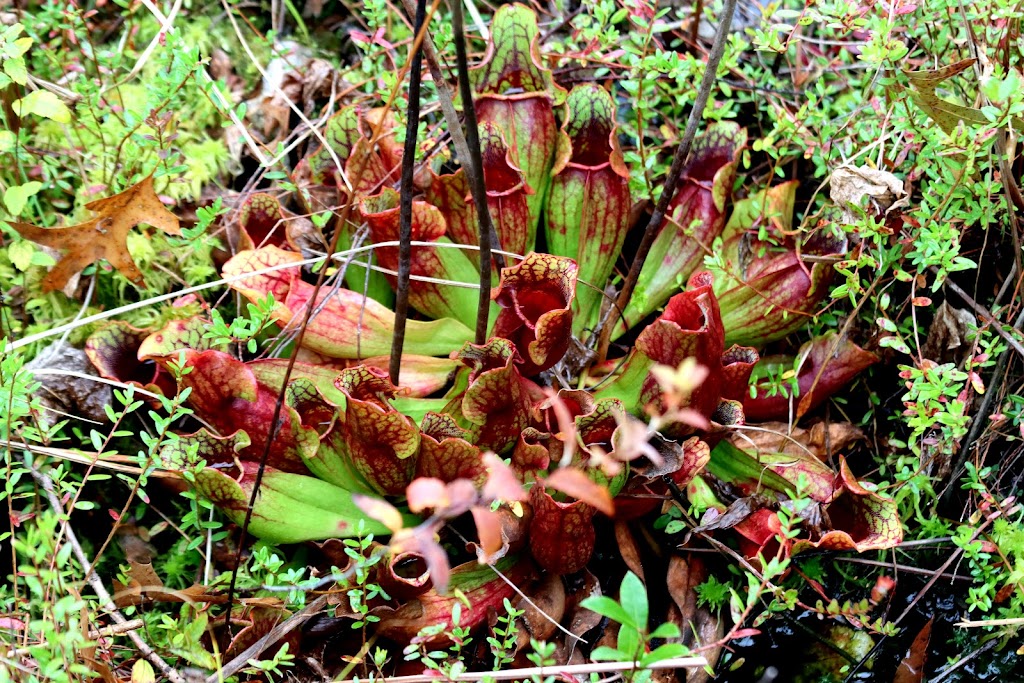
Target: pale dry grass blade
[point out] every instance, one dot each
(109, 461)
(287, 100)
(563, 670)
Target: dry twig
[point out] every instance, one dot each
(603, 331)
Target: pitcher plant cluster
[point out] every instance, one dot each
(539, 430)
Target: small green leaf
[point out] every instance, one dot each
(21, 46)
(886, 324)
(663, 652)
(607, 607)
(20, 254)
(41, 258)
(608, 654)
(629, 641)
(633, 596)
(43, 103)
(17, 196)
(666, 630)
(142, 672)
(15, 68)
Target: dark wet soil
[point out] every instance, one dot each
(789, 647)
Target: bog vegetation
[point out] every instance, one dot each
(346, 339)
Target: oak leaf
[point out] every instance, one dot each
(105, 236)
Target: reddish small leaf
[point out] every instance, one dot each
(488, 530)
(426, 492)
(12, 624)
(746, 633)
(576, 484)
(502, 483)
(380, 510)
(884, 586)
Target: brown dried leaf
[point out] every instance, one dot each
(105, 236)
(700, 627)
(628, 549)
(131, 594)
(682, 575)
(911, 668)
(259, 621)
(947, 335)
(546, 607)
(850, 184)
(380, 510)
(145, 585)
(945, 113)
(582, 619)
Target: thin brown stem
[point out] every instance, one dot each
(451, 116)
(672, 181)
(474, 167)
(412, 124)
